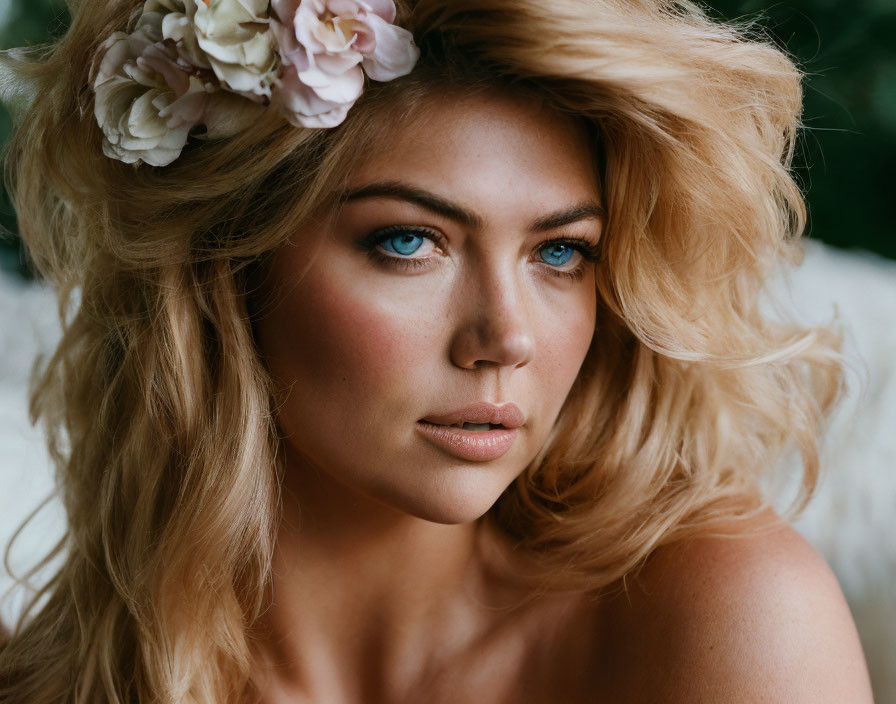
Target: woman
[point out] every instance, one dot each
(547, 227)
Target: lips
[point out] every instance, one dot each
(508, 416)
(470, 445)
(446, 431)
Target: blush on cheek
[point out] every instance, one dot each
(342, 340)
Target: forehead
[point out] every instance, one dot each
(485, 148)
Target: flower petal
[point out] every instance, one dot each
(383, 8)
(303, 106)
(178, 28)
(331, 118)
(157, 58)
(395, 53)
(189, 108)
(339, 88)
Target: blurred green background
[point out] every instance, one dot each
(846, 154)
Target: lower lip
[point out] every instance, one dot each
(476, 446)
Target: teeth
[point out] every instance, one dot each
(476, 426)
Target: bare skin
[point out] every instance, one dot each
(756, 617)
(388, 584)
(749, 618)
(403, 621)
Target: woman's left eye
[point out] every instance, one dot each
(557, 254)
(395, 245)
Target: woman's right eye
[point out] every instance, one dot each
(397, 245)
(405, 244)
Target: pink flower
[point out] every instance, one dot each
(325, 44)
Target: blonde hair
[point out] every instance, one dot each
(158, 409)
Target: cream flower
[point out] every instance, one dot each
(130, 99)
(148, 97)
(236, 40)
(325, 43)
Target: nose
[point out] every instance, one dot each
(494, 326)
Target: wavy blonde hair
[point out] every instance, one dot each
(158, 409)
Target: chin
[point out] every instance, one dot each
(451, 503)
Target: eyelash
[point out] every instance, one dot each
(588, 250)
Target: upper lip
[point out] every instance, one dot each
(508, 415)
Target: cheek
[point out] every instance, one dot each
(565, 334)
(338, 347)
(563, 345)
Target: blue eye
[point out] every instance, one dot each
(405, 243)
(557, 254)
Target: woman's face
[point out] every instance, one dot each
(443, 281)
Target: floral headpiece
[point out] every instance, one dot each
(218, 63)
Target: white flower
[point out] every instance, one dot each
(325, 43)
(236, 40)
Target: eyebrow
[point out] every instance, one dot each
(441, 206)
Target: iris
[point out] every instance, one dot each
(561, 251)
(408, 243)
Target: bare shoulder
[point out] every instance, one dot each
(757, 617)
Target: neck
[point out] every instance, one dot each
(365, 598)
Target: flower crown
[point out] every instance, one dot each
(218, 63)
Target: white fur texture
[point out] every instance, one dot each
(850, 521)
